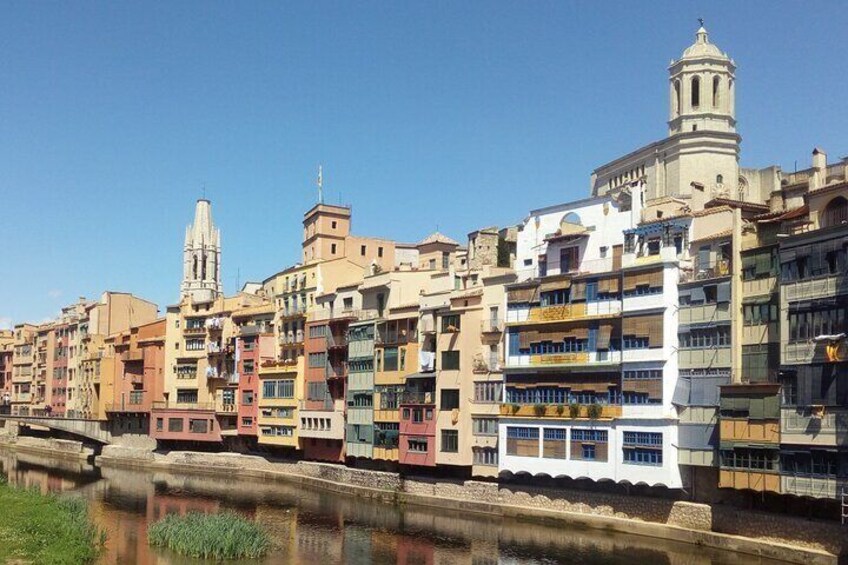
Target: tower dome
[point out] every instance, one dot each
(701, 89)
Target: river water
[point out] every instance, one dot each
(316, 527)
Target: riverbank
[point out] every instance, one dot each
(45, 528)
(772, 536)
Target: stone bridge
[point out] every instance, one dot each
(102, 432)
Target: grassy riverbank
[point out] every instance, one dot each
(45, 529)
(210, 536)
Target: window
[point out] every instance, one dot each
(362, 250)
(247, 366)
(450, 441)
(317, 331)
(333, 224)
(160, 423)
(332, 248)
(588, 452)
(484, 426)
(194, 345)
(445, 260)
(246, 422)
(450, 360)
(247, 398)
(417, 444)
(450, 323)
(716, 83)
(175, 424)
(487, 456)
(417, 415)
(386, 434)
(390, 359)
(449, 399)
(197, 426)
(554, 445)
(187, 396)
(347, 303)
(522, 442)
(379, 252)
(317, 360)
(405, 414)
(487, 391)
(705, 338)
(696, 92)
(643, 448)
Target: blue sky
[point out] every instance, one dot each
(429, 114)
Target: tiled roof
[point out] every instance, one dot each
(437, 237)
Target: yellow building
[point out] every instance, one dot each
(280, 387)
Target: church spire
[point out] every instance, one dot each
(202, 256)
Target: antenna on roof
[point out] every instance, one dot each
(320, 185)
(203, 188)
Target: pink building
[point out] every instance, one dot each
(253, 347)
(58, 379)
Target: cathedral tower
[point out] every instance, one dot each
(202, 256)
(702, 83)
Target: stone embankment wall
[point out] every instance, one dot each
(47, 446)
(769, 535)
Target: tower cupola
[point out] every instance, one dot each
(702, 89)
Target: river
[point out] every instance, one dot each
(316, 527)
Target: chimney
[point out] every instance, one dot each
(819, 169)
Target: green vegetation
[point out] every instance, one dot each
(46, 529)
(210, 536)
(594, 411)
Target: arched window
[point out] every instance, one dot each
(677, 98)
(571, 218)
(835, 213)
(194, 268)
(696, 92)
(716, 84)
(719, 179)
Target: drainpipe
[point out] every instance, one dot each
(736, 313)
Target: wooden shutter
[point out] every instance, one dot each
(655, 330)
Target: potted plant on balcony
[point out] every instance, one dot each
(539, 410)
(593, 411)
(574, 410)
(560, 408)
(514, 408)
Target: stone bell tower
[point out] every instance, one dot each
(702, 89)
(202, 256)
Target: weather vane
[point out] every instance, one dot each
(701, 21)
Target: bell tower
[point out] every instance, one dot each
(702, 86)
(202, 256)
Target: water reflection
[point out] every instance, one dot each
(311, 526)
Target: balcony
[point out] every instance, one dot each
(705, 313)
(492, 326)
(820, 287)
(131, 356)
(323, 424)
(823, 351)
(573, 359)
(134, 404)
(335, 371)
(749, 431)
(488, 364)
(557, 313)
(226, 408)
(561, 411)
(172, 405)
(214, 324)
(213, 348)
(336, 341)
(22, 397)
(194, 330)
(757, 481)
(293, 311)
(703, 271)
(417, 398)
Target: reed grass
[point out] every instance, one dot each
(46, 529)
(210, 536)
